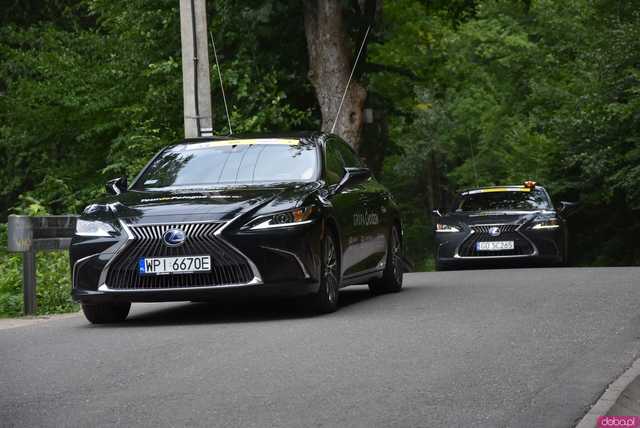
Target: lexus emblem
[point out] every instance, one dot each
(174, 237)
(494, 231)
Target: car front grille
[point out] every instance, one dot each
(508, 232)
(228, 266)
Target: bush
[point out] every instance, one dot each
(53, 281)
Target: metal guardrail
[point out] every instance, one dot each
(28, 235)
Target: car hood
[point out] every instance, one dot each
(496, 217)
(137, 207)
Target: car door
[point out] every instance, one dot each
(347, 205)
(369, 217)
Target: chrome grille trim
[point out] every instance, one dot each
(304, 270)
(204, 237)
(504, 228)
(484, 228)
(125, 244)
(206, 287)
(74, 270)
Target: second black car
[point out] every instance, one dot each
(493, 225)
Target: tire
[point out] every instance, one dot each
(391, 281)
(326, 299)
(106, 313)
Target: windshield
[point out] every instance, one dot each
(230, 162)
(508, 200)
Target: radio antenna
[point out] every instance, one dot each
(355, 63)
(473, 161)
(224, 97)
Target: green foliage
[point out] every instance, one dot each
(105, 97)
(544, 89)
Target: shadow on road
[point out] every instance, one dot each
(233, 310)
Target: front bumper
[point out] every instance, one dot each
(285, 261)
(531, 246)
(295, 288)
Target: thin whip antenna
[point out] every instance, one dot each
(473, 161)
(364, 39)
(224, 97)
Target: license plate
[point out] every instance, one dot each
(169, 265)
(495, 246)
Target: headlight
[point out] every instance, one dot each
(93, 228)
(446, 228)
(550, 223)
(282, 219)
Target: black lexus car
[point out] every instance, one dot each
(284, 215)
(494, 225)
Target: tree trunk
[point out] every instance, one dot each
(330, 62)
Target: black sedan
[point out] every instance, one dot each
(494, 225)
(286, 215)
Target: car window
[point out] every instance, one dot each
(520, 200)
(205, 164)
(335, 162)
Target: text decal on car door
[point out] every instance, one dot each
(366, 219)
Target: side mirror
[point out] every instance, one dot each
(116, 186)
(436, 213)
(352, 177)
(567, 208)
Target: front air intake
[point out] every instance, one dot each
(508, 232)
(228, 266)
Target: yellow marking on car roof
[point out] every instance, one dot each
(253, 141)
(498, 189)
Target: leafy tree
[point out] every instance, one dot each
(517, 90)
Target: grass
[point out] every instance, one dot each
(426, 265)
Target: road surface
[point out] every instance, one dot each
(494, 348)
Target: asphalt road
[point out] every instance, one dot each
(518, 347)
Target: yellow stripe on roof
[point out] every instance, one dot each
(253, 141)
(498, 189)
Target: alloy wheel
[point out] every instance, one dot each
(331, 273)
(395, 255)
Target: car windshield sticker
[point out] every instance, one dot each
(497, 189)
(190, 197)
(227, 143)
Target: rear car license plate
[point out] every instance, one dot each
(169, 265)
(495, 246)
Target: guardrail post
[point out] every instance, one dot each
(29, 282)
(20, 239)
